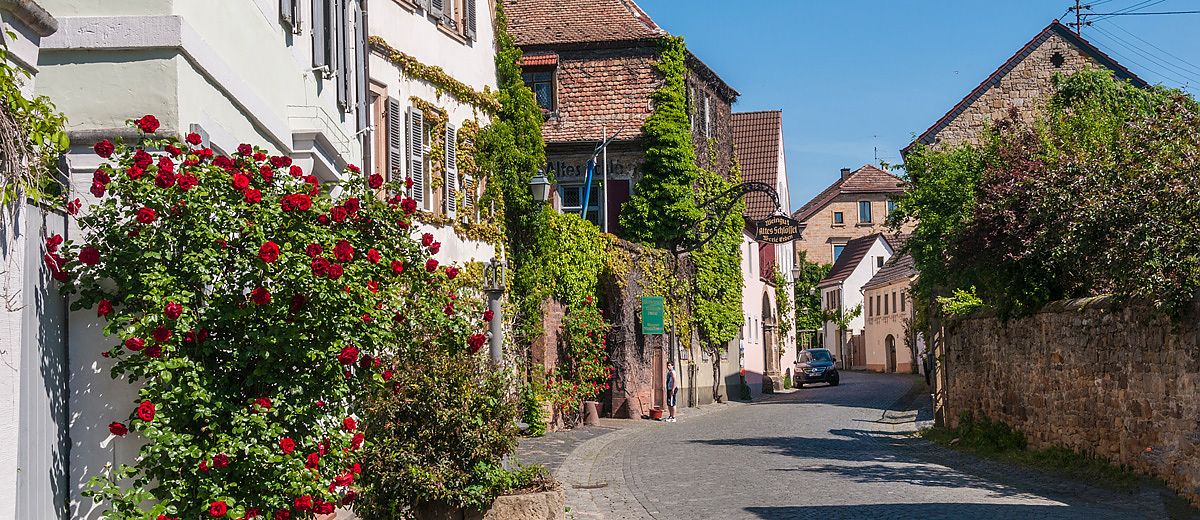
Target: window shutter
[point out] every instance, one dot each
(416, 154)
(320, 27)
(289, 14)
(341, 48)
(451, 174)
(395, 140)
(435, 7)
(469, 19)
(360, 68)
(423, 4)
(468, 192)
(448, 13)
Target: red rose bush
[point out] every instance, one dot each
(251, 321)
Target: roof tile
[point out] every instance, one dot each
(867, 179)
(544, 22)
(756, 136)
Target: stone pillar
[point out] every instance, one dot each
(772, 379)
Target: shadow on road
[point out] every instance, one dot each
(933, 511)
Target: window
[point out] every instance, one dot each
(837, 250)
(891, 206)
(707, 118)
(839, 217)
(541, 82)
(886, 308)
(879, 262)
(902, 303)
(571, 197)
(893, 301)
(864, 211)
(870, 307)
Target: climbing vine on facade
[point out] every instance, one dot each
(32, 138)
(436, 76)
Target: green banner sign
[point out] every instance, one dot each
(652, 314)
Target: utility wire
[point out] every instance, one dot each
(1140, 13)
(1183, 83)
(1144, 4)
(1191, 66)
(1179, 72)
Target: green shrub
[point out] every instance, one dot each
(787, 379)
(533, 399)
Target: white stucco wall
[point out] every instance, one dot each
(852, 294)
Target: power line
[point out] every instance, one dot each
(1166, 75)
(1144, 4)
(1184, 73)
(1193, 67)
(1146, 14)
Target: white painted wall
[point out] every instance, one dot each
(751, 342)
(852, 294)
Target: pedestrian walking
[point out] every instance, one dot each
(672, 390)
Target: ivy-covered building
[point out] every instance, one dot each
(432, 87)
(590, 64)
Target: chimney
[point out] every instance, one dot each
(845, 172)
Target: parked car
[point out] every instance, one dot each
(816, 365)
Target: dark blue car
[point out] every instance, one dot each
(816, 365)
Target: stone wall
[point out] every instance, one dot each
(1026, 88)
(821, 234)
(1115, 381)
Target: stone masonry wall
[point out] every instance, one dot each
(1115, 381)
(1026, 87)
(821, 233)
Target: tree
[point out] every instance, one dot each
(808, 296)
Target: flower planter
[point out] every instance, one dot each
(656, 413)
(544, 505)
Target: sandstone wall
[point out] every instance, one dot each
(1092, 376)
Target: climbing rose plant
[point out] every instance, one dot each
(251, 308)
(584, 370)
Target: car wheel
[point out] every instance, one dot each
(834, 381)
(799, 385)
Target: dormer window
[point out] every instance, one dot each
(541, 81)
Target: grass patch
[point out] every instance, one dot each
(997, 440)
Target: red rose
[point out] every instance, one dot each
(134, 173)
(323, 508)
(260, 295)
(104, 308)
(73, 207)
(267, 174)
(269, 252)
(220, 460)
(252, 512)
(397, 267)
(146, 215)
(476, 342)
(204, 465)
(53, 242)
(154, 351)
(187, 182)
(348, 355)
(296, 171)
(356, 443)
(349, 424)
(448, 309)
(352, 205)
(173, 310)
(427, 240)
(245, 150)
(335, 271)
(89, 255)
(161, 334)
(147, 124)
(312, 460)
(194, 139)
(104, 148)
(343, 251)
(165, 164)
(431, 265)
(314, 250)
(287, 445)
(353, 168)
(240, 182)
(375, 180)
(320, 267)
(135, 344)
(373, 286)
(223, 162)
(164, 180)
(117, 429)
(435, 247)
(218, 509)
(145, 411)
(409, 206)
(295, 202)
(488, 315)
(347, 478)
(141, 159)
(283, 514)
(387, 375)
(451, 272)
(297, 302)
(97, 190)
(303, 503)
(349, 497)
(263, 402)
(252, 196)
(373, 256)
(338, 214)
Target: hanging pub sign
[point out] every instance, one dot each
(778, 229)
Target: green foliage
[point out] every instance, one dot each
(217, 277)
(841, 318)
(534, 395)
(787, 378)
(785, 320)
(808, 297)
(439, 433)
(664, 197)
(718, 284)
(583, 370)
(436, 76)
(962, 303)
(32, 137)
(1099, 195)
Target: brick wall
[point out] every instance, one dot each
(1095, 377)
(1026, 87)
(602, 86)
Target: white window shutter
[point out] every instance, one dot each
(423, 4)
(469, 19)
(416, 154)
(451, 174)
(436, 6)
(320, 28)
(395, 140)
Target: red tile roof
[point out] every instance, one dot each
(1055, 27)
(545, 22)
(867, 179)
(756, 137)
(848, 261)
(538, 60)
(899, 266)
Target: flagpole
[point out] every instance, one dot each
(604, 170)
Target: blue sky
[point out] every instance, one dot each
(855, 75)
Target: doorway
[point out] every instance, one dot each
(889, 344)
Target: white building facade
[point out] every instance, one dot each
(842, 294)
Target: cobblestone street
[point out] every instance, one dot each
(822, 452)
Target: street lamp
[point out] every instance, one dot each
(493, 287)
(540, 187)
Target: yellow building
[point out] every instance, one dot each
(892, 345)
